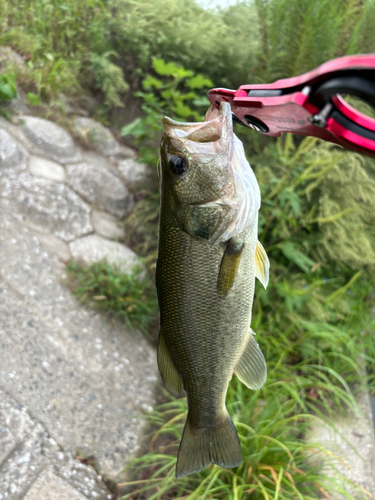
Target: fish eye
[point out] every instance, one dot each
(178, 164)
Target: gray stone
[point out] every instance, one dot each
(97, 160)
(97, 136)
(37, 464)
(40, 167)
(352, 445)
(50, 140)
(133, 171)
(47, 206)
(21, 468)
(17, 134)
(56, 246)
(98, 185)
(8, 443)
(86, 380)
(126, 152)
(106, 225)
(18, 105)
(8, 57)
(48, 486)
(63, 102)
(13, 157)
(94, 248)
(88, 103)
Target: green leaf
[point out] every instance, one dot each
(170, 69)
(203, 101)
(199, 82)
(163, 68)
(292, 197)
(135, 128)
(295, 256)
(182, 110)
(33, 99)
(151, 81)
(8, 89)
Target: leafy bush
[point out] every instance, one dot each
(252, 41)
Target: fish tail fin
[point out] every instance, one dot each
(218, 444)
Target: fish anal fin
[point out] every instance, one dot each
(218, 444)
(229, 266)
(251, 368)
(171, 378)
(262, 265)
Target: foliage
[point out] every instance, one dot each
(34, 99)
(298, 35)
(8, 89)
(258, 40)
(174, 90)
(130, 297)
(221, 46)
(108, 77)
(50, 76)
(320, 198)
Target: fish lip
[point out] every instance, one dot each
(207, 201)
(214, 203)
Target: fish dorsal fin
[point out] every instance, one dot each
(251, 368)
(262, 265)
(229, 265)
(171, 378)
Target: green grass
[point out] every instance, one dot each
(129, 297)
(310, 378)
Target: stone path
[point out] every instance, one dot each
(85, 383)
(69, 380)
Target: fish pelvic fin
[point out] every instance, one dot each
(262, 265)
(171, 378)
(218, 444)
(251, 368)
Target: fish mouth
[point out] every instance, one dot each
(207, 202)
(216, 126)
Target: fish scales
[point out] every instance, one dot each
(208, 259)
(192, 304)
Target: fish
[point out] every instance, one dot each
(208, 258)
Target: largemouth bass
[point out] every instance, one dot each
(209, 256)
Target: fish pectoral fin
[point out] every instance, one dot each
(229, 265)
(218, 443)
(262, 265)
(251, 368)
(171, 378)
